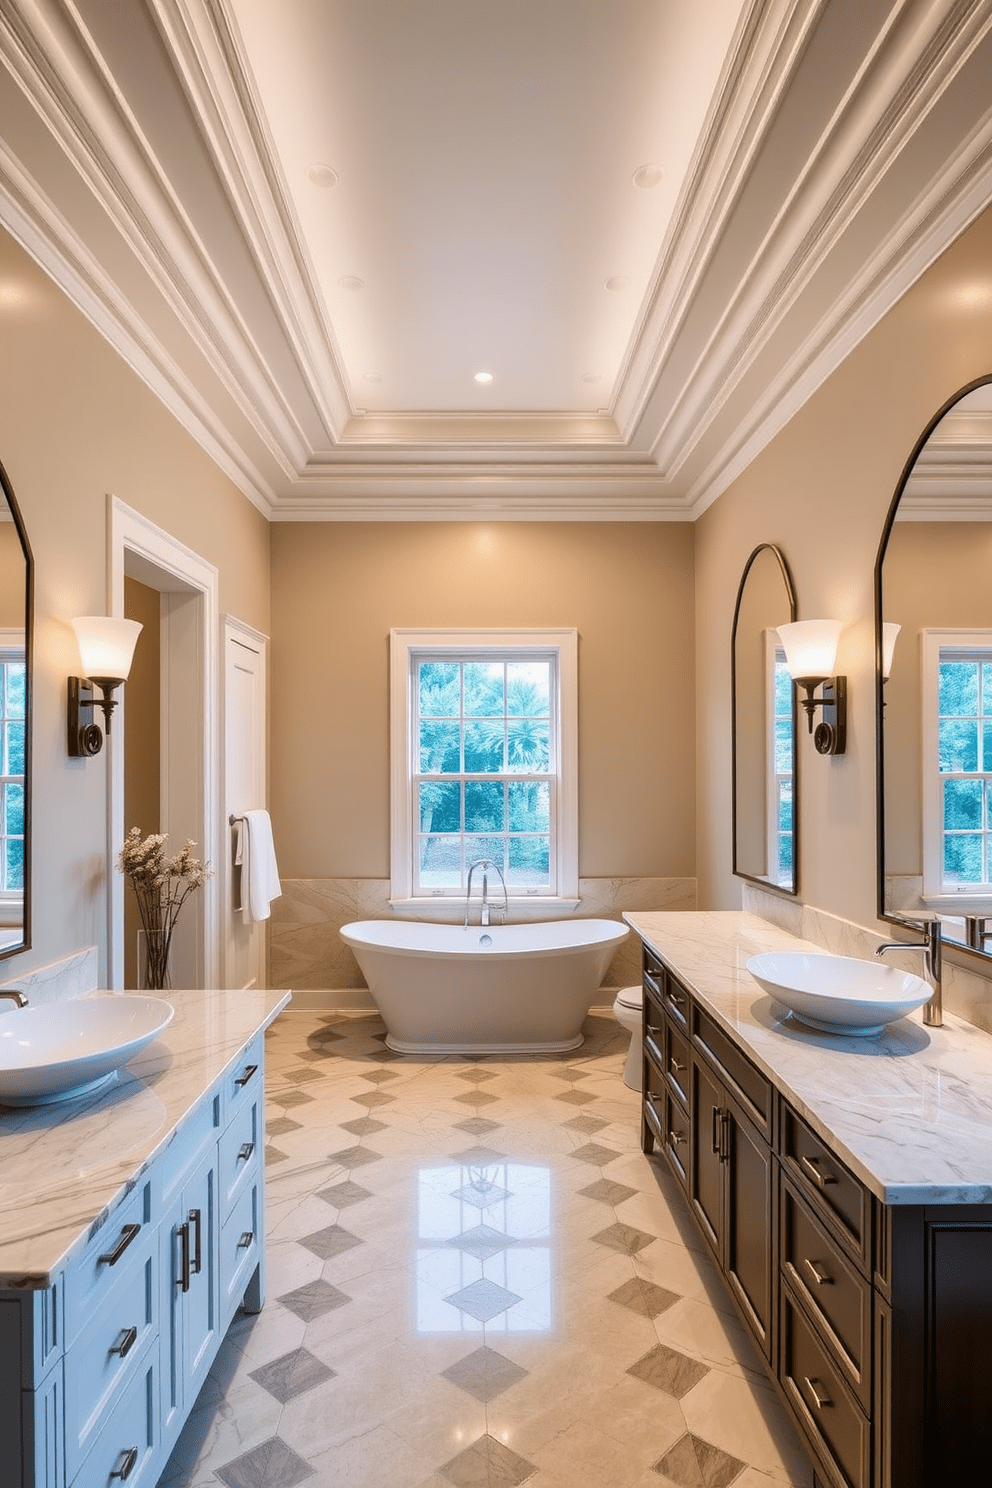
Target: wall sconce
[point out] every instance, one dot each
(889, 632)
(106, 649)
(811, 655)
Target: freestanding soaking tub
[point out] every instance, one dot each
(498, 989)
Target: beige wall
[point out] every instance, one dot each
(821, 490)
(336, 591)
(11, 574)
(77, 425)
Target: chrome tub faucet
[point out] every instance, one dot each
(501, 909)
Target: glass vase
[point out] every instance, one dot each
(153, 960)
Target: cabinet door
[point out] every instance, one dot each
(190, 1272)
(706, 1173)
(748, 1223)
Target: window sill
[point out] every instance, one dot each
(545, 907)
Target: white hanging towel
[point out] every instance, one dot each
(255, 852)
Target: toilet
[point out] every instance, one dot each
(627, 1009)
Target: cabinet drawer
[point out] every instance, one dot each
(829, 1413)
(678, 1004)
(187, 1146)
(112, 1252)
(837, 1296)
(239, 1251)
(653, 1025)
(126, 1451)
(109, 1349)
(653, 1096)
(827, 1185)
(239, 1155)
(748, 1084)
(243, 1082)
(675, 1138)
(677, 1063)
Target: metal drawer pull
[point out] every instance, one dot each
(677, 997)
(183, 1278)
(820, 1179)
(246, 1239)
(128, 1233)
(127, 1466)
(249, 1071)
(674, 1138)
(818, 1273)
(125, 1342)
(717, 1124)
(675, 1067)
(246, 1151)
(820, 1397)
(194, 1219)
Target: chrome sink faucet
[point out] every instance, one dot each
(930, 945)
(16, 997)
(501, 909)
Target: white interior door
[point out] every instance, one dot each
(244, 790)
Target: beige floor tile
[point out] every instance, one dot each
(746, 1420)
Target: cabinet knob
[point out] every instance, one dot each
(820, 1397)
(127, 1466)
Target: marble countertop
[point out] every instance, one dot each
(909, 1111)
(65, 1167)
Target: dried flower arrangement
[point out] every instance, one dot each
(161, 887)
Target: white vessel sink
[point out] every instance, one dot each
(65, 1049)
(839, 994)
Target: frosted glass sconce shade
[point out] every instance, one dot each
(811, 655)
(810, 647)
(106, 650)
(890, 631)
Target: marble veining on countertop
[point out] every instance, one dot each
(909, 1111)
(64, 1168)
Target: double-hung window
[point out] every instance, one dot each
(957, 753)
(781, 765)
(484, 762)
(13, 686)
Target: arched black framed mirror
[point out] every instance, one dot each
(933, 665)
(16, 608)
(763, 713)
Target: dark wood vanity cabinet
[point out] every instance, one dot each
(874, 1320)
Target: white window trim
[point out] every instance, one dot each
(935, 896)
(404, 643)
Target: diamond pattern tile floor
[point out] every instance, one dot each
(460, 1301)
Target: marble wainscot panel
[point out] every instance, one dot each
(966, 992)
(909, 1111)
(70, 976)
(65, 1168)
(307, 953)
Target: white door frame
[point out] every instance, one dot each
(242, 946)
(144, 551)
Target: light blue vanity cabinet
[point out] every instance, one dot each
(100, 1367)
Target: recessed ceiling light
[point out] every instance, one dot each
(617, 283)
(352, 282)
(373, 377)
(647, 176)
(591, 377)
(483, 377)
(322, 175)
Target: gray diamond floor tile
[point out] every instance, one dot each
(280, 1126)
(595, 1152)
(313, 1300)
(330, 1242)
(303, 1076)
(324, 1035)
(273, 1155)
(481, 1193)
(270, 1465)
(668, 1370)
(484, 1374)
(474, 1156)
(644, 1297)
(483, 1300)
(570, 1074)
(476, 1098)
(482, 1241)
(478, 1126)
(587, 1124)
(355, 1157)
(341, 1195)
(575, 1097)
(487, 1463)
(314, 1056)
(374, 1098)
(292, 1375)
(379, 1077)
(364, 1126)
(291, 1097)
(476, 1076)
(694, 1463)
(605, 1191)
(624, 1238)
